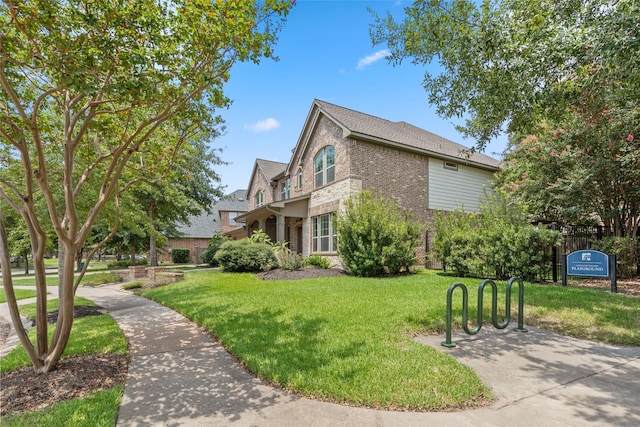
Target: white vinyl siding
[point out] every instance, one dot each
(452, 189)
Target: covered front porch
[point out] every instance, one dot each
(282, 221)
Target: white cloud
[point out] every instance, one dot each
(368, 60)
(265, 125)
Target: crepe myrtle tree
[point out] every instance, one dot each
(84, 88)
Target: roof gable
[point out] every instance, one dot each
(270, 170)
(402, 134)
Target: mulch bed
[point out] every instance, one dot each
(303, 273)
(24, 391)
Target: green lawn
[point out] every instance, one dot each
(20, 294)
(349, 339)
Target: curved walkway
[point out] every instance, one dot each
(180, 376)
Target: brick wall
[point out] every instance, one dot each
(195, 245)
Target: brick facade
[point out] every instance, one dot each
(390, 159)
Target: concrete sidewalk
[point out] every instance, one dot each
(180, 376)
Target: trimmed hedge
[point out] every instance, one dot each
(246, 256)
(180, 256)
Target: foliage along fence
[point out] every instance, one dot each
(580, 237)
(574, 238)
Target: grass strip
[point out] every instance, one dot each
(89, 335)
(20, 294)
(96, 410)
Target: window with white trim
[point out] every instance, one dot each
(258, 199)
(324, 236)
(450, 165)
(324, 166)
(285, 189)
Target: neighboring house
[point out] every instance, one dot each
(197, 233)
(341, 152)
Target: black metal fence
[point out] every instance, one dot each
(577, 238)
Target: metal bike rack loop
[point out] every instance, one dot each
(494, 308)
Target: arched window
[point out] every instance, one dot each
(324, 166)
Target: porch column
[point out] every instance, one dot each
(280, 227)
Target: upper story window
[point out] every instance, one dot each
(285, 189)
(324, 166)
(450, 165)
(258, 199)
(299, 178)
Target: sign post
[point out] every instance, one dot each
(589, 263)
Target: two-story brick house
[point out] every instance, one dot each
(341, 152)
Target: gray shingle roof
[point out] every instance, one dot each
(401, 133)
(271, 169)
(204, 225)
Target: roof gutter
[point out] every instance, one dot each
(369, 138)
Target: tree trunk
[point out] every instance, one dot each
(7, 282)
(26, 262)
(62, 331)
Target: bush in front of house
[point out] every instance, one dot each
(317, 261)
(246, 256)
(376, 237)
(208, 256)
(180, 256)
(499, 242)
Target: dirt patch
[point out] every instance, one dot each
(629, 287)
(24, 391)
(303, 273)
(78, 311)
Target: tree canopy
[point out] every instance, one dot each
(562, 72)
(85, 87)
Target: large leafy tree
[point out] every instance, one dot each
(84, 87)
(533, 68)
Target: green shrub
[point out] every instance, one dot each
(132, 285)
(317, 261)
(208, 256)
(246, 256)
(96, 279)
(124, 263)
(627, 252)
(180, 256)
(290, 261)
(500, 242)
(376, 237)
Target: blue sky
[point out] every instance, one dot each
(326, 53)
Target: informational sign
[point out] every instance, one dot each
(588, 263)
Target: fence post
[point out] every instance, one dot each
(564, 270)
(612, 272)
